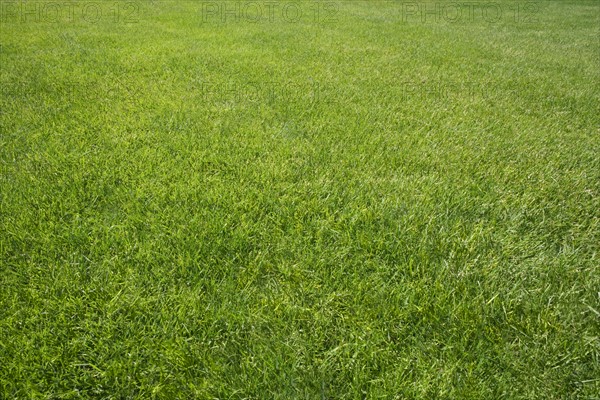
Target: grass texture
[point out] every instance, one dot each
(299, 200)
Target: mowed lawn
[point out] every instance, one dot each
(299, 200)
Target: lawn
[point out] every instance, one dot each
(299, 200)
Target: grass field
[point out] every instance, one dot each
(299, 200)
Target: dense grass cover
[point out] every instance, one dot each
(299, 200)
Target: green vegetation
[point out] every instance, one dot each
(333, 200)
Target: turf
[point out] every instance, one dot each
(299, 200)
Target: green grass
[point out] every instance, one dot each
(360, 204)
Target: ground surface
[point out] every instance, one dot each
(340, 200)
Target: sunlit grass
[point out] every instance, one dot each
(356, 204)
